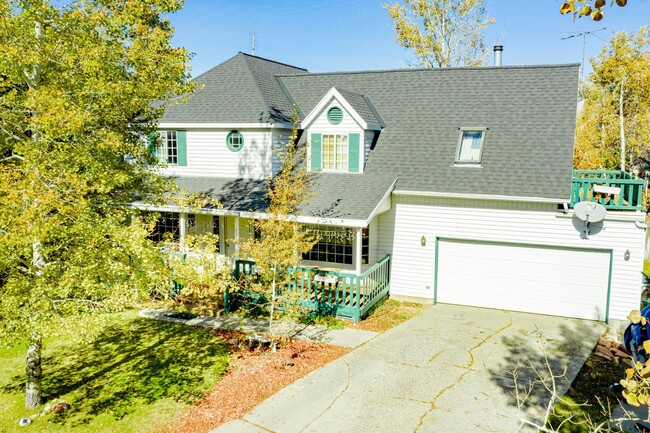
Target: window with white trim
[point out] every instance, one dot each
(470, 146)
(167, 228)
(335, 152)
(336, 245)
(167, 150)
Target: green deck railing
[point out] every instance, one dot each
(341, 294)
(585, 187)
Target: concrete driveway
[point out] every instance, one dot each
(448, 370)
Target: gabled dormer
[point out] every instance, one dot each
(340, 130)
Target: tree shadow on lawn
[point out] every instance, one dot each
(564, 351)
(136, 362)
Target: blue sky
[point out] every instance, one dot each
(343, 35)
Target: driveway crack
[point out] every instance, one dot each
(258, 426)
(467, 368)
(347, 385)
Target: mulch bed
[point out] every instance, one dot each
(253, 376)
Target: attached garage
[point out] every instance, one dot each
(559, 281)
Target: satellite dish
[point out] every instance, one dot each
(589, 212)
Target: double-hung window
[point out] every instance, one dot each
(167, 150)
(470, 146)
(335, 152)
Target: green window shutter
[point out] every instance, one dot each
(182, 148)
(316, 152)
(353, 155)
(151, 143)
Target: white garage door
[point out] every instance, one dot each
(546, 280)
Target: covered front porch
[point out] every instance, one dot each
(351, 250)
(343, 275)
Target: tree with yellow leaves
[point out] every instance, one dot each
(442, 33)
(77, 83)
(283, 240)
(588, 8)
(613, 128)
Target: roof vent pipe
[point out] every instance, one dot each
(498, 49)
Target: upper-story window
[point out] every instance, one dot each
(470, 146)
(167, 150)
(335, 152)
(235, 141)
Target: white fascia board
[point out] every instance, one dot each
(184, 125)
(332, 94)
(305, 219)
(482, 196)
(625, 216)
(172, 208)
(384, 204)
(250, 215)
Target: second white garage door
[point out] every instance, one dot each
(547, 280)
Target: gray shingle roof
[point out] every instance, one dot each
(528, 151)
(530, 112)
(243, 89)
(363, 107)
(242, 195)
(332, 199)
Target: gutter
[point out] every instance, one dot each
(480, 196)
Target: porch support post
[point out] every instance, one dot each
(236, 236)
(182, 226)
(358, 250)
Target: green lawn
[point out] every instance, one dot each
(136, 377)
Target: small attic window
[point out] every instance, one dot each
(235, 141)
(470, 145)
(335, 115)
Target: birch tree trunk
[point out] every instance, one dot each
(34, 372)
(622, 125)
(34, 369)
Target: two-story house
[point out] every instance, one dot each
(461, 179)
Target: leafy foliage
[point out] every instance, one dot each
(588, 8)
(616, 108)
(77, 84)
(442, 33)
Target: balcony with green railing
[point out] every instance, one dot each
(614, 189)
(340, 294)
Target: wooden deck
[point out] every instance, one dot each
(340, 294)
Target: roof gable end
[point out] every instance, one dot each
(353, 105)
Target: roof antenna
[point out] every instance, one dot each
(253, 45)
(584, 40)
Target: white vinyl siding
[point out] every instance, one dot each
(367, 142)
(280, 139)
(208, 155)
(401, 230)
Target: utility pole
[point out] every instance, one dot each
(253, 45)
(584, 42)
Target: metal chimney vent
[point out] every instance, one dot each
(498, 49)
